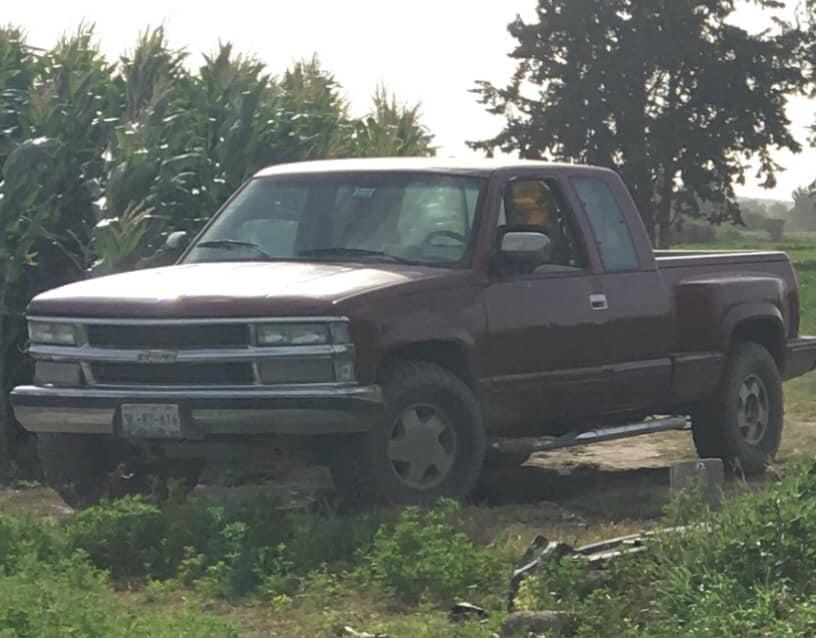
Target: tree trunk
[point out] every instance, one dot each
(6, 435)
(642, 196)
(664, 220)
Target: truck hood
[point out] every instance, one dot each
(229, 289)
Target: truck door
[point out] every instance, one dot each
(638, 331)
(546, 353)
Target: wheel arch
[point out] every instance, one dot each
(766, 329)
(453, 355)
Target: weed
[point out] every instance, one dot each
(425, 555)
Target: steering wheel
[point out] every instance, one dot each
(450, 234)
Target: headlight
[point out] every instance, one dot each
(301, 334)
(302, 364)
(63, 334)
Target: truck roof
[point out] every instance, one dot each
(475, 166)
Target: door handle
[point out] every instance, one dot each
(598, 302)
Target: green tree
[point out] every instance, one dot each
(669, 93)
(803, 213)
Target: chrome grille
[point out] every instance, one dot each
(204, 352)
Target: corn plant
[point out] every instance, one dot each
(102, 160)
(390, 129)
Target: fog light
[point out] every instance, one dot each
(344, 371)
(57, 374)
(280, 371)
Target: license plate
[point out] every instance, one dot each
(151, 419)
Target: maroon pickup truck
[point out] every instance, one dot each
(409, 321)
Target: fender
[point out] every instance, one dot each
(710, 308)
(433, 325)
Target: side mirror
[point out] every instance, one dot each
(177, 240)
(526, 246)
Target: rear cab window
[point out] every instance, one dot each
(612, 236)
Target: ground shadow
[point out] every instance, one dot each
(584, 489)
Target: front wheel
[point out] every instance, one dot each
(430, 445)
(741, 422)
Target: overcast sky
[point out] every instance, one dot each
(431, 51)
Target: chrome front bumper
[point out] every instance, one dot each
(291, 410)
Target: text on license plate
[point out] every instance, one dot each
(150, 419)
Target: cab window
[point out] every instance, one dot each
(537, 204)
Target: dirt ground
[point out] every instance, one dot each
(583, 492)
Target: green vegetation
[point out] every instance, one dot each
(244, 552)
(236, 567)
(745, 571)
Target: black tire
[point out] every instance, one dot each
(364, 470)
(84, 469)
(724, 426)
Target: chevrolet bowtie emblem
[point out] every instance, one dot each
(158, 356)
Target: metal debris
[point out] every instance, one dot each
(466, 611)
(596, 555)
(350, 632)
(540, 552)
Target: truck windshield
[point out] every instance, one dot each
(420, 219)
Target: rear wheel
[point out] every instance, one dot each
(430, 445)
(741, 422)
(84, 469)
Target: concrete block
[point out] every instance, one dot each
(710, 471)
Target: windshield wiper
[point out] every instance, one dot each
(229, 244)
(340, 251)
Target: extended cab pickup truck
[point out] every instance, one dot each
(409, 321)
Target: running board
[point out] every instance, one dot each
(529, 445)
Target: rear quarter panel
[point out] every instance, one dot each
(713, 293)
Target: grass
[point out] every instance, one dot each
(209, 566)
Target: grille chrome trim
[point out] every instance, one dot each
(137, 355)
(175, 321)
(181, 393)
